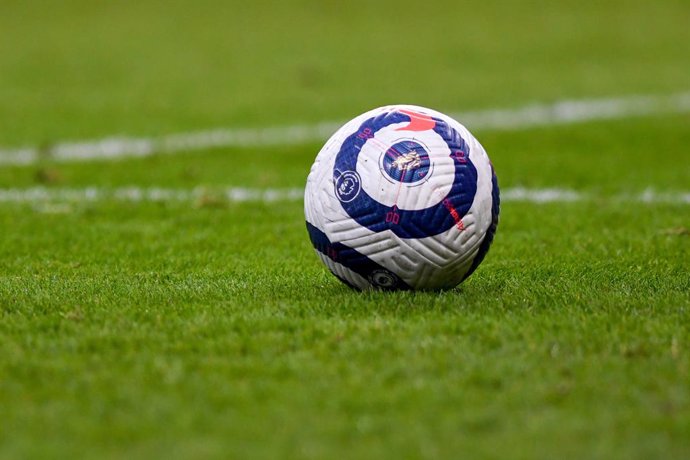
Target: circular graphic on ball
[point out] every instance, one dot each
(406, 161)
(347, 186)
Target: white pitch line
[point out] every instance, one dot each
(543, 195)
(147, 194)
(534, 115)
(42, 195)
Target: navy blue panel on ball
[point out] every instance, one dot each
(376, 274)
(489, 237)
(378, 217)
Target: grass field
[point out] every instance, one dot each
(208, 327)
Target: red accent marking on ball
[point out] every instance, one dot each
(454, 214)
(418, 121)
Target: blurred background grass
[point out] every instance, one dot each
(80, 69)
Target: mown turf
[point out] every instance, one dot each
(152, 330)
(184, 330)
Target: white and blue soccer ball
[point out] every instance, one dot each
(402, 197)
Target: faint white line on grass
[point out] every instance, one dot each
(545, 195)
(203, 196)
(651, 196)
(562, 112)
(576, 111)
(148, 194)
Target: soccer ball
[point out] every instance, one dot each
(402, 197)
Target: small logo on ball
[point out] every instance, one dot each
(383, 279)
(348, 186)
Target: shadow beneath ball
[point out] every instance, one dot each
(344, 299)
